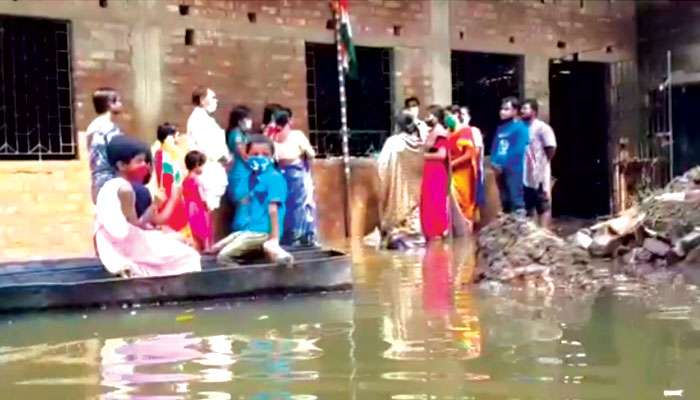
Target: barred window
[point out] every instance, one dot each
(36, 114)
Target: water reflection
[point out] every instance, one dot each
(413, 328)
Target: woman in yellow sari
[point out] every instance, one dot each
(464, 160)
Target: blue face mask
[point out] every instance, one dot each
(259, 163)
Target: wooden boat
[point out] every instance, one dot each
(45, 284)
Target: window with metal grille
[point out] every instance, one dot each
(369, 100)
(36, 114)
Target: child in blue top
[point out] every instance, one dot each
(265, 194)
(508, 156)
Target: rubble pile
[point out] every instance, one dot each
(662, 230)
(513, 249)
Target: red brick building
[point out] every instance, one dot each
(256, 51)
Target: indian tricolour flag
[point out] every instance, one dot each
(347, 49)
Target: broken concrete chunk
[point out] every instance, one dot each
(657, 247)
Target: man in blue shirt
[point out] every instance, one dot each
(265, 193)
(508, 156)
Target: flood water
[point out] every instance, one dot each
(411, 329)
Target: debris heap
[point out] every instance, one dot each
(662, 230)
(513, 249)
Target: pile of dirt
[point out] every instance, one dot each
(513, 249)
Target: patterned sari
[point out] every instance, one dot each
(168, 171)
(299, 226)
(465, 175)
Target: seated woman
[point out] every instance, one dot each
(400, 167)
(293, 153)
(267, 198)
(123, 244)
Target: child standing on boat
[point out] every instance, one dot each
(123, 244)
(266, 193)
(193, 194)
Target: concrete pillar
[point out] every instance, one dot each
(146, 59)
(536, 70)
(439, 52)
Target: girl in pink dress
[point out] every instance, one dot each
(123, 243)
(197, 211)
(434, 215)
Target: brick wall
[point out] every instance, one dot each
(138, 47)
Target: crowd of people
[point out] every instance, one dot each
(432, 171)
(154, 205)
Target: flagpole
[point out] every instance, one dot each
(343, 117)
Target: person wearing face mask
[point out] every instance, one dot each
(434, 214)
(465, 118)
(239, 128)
(293, 154)
(267, 196)
(400, 169)
(108, 105)
(508, 156)
(464, 161)
(412, 107)
(205, 135)
(124, 245)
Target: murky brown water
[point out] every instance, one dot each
(411, 329)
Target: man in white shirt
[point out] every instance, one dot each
(205, 134)
(537, 178)
(412, 107)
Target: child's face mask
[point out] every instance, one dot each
(259, 163)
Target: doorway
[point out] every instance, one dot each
(480, 81)
(369, 100)
(686, 128)
(579, 117)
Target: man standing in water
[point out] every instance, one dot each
(538, 170)
(508, 156)
(207, 136)
(108, 105)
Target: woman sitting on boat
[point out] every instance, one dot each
(124, 244)
(294, 154)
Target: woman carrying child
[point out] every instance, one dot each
(124, 244)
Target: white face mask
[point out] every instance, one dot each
(414, 111)
(247, 124)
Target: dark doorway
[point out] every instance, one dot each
(369, 100)
(579, 116)
(480, 81)
(686, 128)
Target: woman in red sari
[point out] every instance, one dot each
(434, 214)
(464, 160)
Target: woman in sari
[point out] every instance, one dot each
(239, 126)
(168, 159)
(434, 211)
(123, 241)
(400, 168)
(464, 161)
(293, 153)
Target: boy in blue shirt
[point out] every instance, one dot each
(265, 193)
(508, 156)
